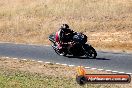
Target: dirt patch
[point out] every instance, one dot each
(42, 68)
(120, 40)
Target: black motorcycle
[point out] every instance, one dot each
(77, 47)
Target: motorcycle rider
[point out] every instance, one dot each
(64, 35)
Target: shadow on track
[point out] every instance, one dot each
(86, 58)
(102, 59)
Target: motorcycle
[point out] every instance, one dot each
(77, 47)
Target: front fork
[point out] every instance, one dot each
(86, 48)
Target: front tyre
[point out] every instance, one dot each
(61, 53)
(58, 51)
(90, 52)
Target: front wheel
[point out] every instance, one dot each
(58, 51)
(90, 52)
(61, 53)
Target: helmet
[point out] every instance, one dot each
(65, 26)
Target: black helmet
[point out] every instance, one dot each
(65, 26)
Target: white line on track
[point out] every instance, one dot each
(77, 66)
(71, 65)
(64, 64)
(80, 66)
(40, 61)
(46, 45)
(33, 60)
(93, 68)
(57, 63)
(108, 70)
(114, 71)
(87, 67)
(100, 69)
(47, 62)
(129, 73)
(121, 72)
(24, 59)
(7, 57)
(14, 58)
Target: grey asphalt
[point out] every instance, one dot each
(105, 60)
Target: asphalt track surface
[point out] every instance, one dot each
(121, 62)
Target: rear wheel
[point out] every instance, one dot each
(90, 52)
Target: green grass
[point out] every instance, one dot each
(10, 78)
(27, 80)
(20, 79)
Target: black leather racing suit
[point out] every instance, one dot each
(66, 35)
